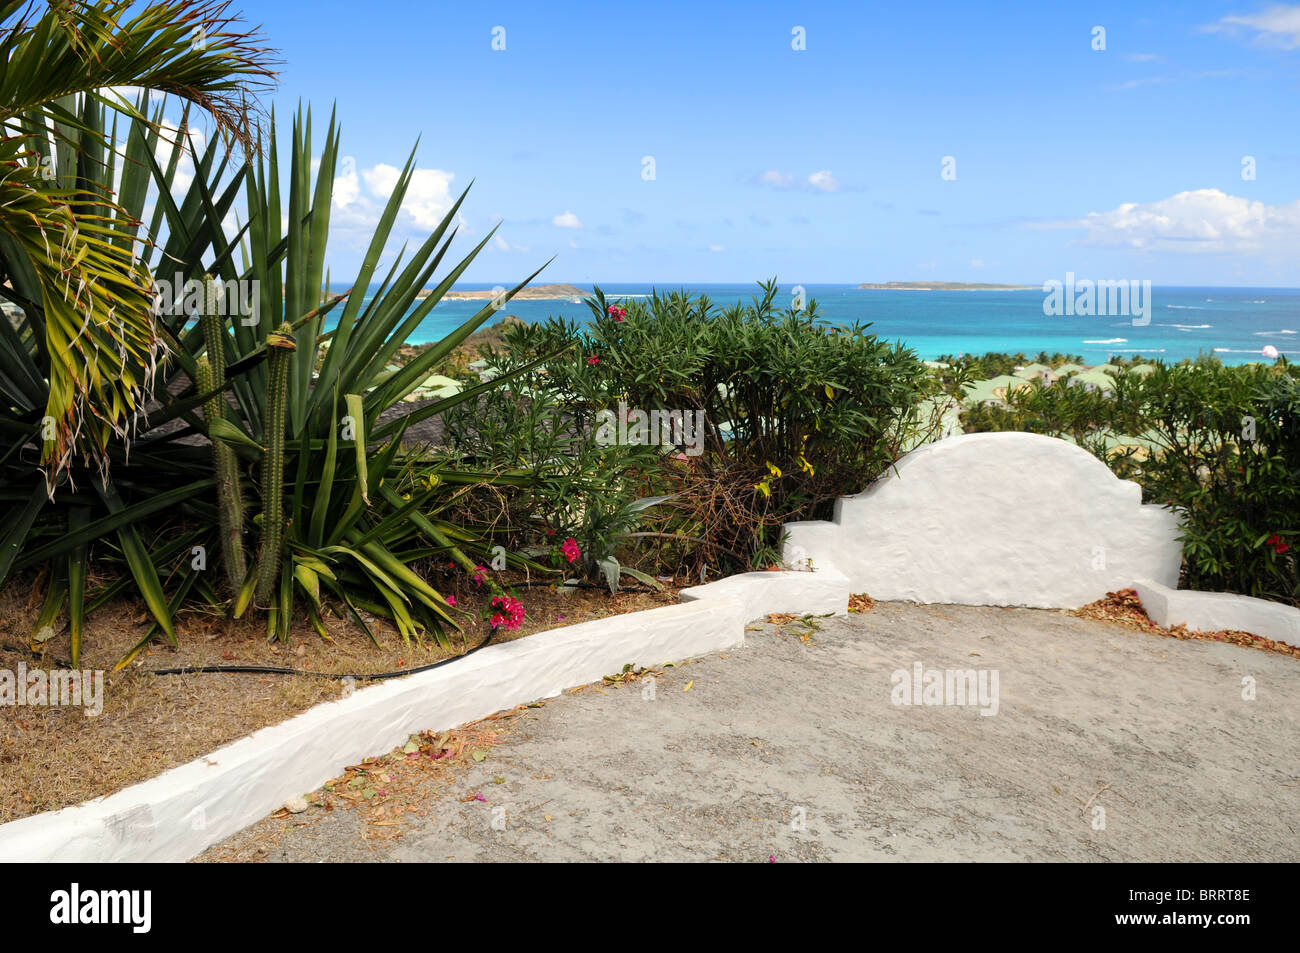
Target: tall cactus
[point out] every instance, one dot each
(280, 347)
(230, 493)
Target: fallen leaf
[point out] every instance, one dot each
(688, 685)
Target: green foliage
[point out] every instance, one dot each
(794, 413)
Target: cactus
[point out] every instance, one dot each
(230, 493)
(280, 347)
(230, 496)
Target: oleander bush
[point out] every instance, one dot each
(757, 414)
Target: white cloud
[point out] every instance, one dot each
(1204, 220)
(782, 180)
(167, 139)
(717, 248)
(347, 186)
(1144, 57)
(428, 195)
(566, 220)
(501, 243)
(1277, 25)
(977, 262)
(823, 181)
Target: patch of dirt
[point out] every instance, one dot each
(52, 757)
(1125, 608)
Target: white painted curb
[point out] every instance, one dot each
(182, 812)
(1214, 611)
(824, 592)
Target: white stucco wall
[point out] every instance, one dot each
(1215, 611)
(1012, 519)
(822, 592)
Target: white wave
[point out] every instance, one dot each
(1269, 334)
(1109, 341)
(1186, 307)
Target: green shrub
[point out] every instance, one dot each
(793, 412)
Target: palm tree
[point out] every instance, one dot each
(75, 367)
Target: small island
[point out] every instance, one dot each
(535, 293)
(942, 286)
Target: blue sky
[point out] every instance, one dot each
(822, 164)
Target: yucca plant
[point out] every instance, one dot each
(322, 486)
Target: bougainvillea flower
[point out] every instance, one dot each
(570, 549)
(510, 612)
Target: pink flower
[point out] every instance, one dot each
(570, 549)
(451, 600)
(593, 359)
(510, 612)
(480, 573)
(479, 797)
(615, 312)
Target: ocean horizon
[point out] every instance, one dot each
(1233, 324)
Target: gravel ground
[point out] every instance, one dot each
(1107, 744)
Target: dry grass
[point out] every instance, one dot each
(53, 757)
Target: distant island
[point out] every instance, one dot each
(535, 293)
(942, 286)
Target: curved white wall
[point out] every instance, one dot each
(1012, 519)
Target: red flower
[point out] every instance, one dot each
(570, 549)
(510, 612)
(615, 312)
(1281, 548)
(593, 359)
(451, 600)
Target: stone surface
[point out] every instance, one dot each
(1153, 731)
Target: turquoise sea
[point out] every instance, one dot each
(1234, 324)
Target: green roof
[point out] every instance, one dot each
(1096, 378)
(984, 390)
